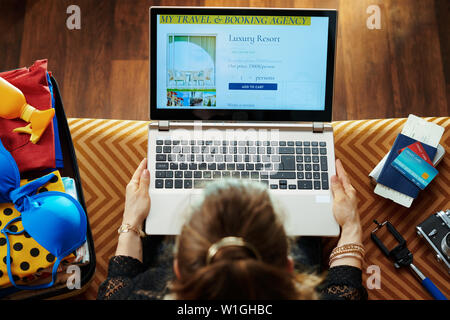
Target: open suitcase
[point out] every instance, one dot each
(61, 290)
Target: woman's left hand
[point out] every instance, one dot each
(137, 198)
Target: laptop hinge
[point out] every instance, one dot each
(317, 127)
(163, 125)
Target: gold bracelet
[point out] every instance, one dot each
(346, 255)
(341, 251)
(347, 247)
(352, 245)
(127, 227)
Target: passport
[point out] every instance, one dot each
(415, 168)
(392, 178)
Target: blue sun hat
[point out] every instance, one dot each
(53, 219)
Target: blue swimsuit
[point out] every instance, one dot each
(54, 219)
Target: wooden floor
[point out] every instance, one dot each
(102, 69)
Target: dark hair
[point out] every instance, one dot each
(240, 209)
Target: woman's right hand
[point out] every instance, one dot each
(137, 198)
(345, 209)
(345, 200)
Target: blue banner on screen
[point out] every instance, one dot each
(252, 86)
(241, 62)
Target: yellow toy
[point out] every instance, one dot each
(14, 105)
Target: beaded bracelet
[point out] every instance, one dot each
(348, 247)
(346, 255)
(352, 245)
(338, 252)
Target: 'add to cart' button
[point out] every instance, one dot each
(252, 86)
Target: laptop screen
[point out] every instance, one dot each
(226, 61)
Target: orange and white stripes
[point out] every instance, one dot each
(108, 152)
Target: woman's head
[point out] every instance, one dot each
(256, 269)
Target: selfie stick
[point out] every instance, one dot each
(402, 257)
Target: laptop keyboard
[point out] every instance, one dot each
(286, 165)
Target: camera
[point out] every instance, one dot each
(436, 231)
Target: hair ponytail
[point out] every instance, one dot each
(239, 279)
(256, 268)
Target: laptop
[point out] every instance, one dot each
(242, 93)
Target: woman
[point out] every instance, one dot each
(233, 247)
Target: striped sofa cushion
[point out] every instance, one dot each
(109, 151)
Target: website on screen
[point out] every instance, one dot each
(241, 62)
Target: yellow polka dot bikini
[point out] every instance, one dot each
(29, 260)
(54, 219)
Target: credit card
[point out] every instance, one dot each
(418, 149)
(414, 168)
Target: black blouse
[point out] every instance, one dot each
(129, 279)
